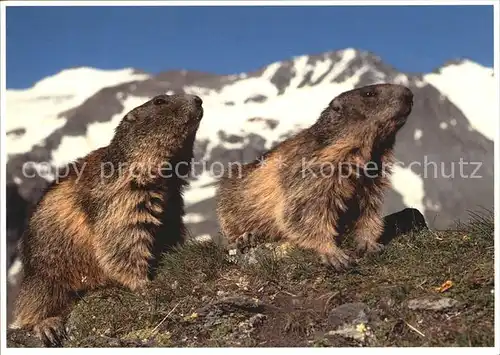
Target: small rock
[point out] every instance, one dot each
(257, 319)
(349, 313)
(251, 256)
(349, 332)
(249, 325)
(350, 321)
(432, 304)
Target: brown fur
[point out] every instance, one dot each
(282, 195)
(98, 225)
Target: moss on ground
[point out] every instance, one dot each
(280, 295)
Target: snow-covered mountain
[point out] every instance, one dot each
(454, 118)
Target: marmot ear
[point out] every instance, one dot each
(130, 117)
(336, 107)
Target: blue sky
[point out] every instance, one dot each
(44, 40)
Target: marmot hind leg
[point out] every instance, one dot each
(330, 253)
(367, 231)
(40, 306)
(302, 228)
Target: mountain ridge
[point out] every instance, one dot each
(250, 71)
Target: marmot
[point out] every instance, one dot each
(323, 182)
(106, 221)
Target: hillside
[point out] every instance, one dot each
(427, 289)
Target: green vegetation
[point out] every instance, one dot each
(278, 295)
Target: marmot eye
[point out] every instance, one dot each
(159, 101)
(369, 94)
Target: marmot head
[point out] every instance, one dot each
(163, 128)
(378, 111)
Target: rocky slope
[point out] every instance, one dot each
(73, 112)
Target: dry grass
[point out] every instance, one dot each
(204, 297)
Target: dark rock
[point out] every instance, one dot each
(402, 222)
(270, 122)
(283, 76)
(17, 132)
(432, 304)
(256, 98)
(230, 138)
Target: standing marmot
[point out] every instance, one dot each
(306, 189)
(104, 223)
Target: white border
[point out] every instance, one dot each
(247, 3)
(455, 351)
(496, 69)
(3, 162)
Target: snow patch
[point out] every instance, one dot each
(69, 146)
(401, 79)
(199, 190)
(420, 83)
(38, 109)
(401, 179)
(432, 206)
(347, 56)
(203, 238)
(320, 68)
(194, 218)
(84, 80)
(15, 271)
(478, 105)
(417, 134)
(291, 117)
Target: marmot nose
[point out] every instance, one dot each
(407, 92)
(407, 95)
(198, 101)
